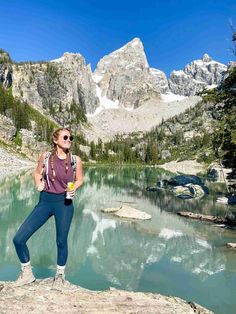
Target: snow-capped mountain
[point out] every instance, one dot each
(125, 78)
(195, 76)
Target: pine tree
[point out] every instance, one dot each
(92, 150)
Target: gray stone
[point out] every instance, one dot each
(132, 213)
(125, 211)
(231, 245)
(7, 130)
(30, 146)
(110, 209)
(39, 297)
(165, 154)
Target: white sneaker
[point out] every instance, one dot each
(58, 281)
(26, 276)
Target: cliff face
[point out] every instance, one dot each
(56, 85)
(5, 69)
(122, 79)
(124, 76)
(40, 297)
(65, 90)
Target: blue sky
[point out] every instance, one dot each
(173, 32)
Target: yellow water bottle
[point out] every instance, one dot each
(70, 187)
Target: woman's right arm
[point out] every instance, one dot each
(38, 170)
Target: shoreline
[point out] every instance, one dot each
(69, 298)
(11, 164)
(191, 167)
(9, 171)
(15, 165)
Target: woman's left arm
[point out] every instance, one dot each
(79, 173)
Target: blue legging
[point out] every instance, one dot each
(49, 204)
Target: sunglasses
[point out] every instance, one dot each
(66, 137)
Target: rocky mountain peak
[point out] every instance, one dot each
(124, 76)
(131, 54)
(70, 57)
(196, 75)
(206, 58)
(134, 45)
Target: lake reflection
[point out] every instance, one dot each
(168, 254)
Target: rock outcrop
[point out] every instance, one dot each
(124, 76)
(7, 130)
(128, 212)
(30, 146)
(56, 85)
(231, 245)
(160, 80)
(40, 297)
(198, 74)
(5, 69)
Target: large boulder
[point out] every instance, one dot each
(185, 186)
(128, 212)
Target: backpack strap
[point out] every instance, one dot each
(46, 158)
(74, 164)
(46, 167)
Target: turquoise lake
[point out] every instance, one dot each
(168, 254)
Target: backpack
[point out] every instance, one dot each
(45, 165)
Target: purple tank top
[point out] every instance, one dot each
(59, 184)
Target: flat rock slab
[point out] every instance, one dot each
(215, 219)
(125, 211)
(232, 245)
(111, 209)
(39, 297)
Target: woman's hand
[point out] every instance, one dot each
(41, 186)
(71, 193)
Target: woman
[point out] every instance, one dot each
(51, 176)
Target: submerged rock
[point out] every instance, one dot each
(215, 219)
(231, 245)
(125, 211)
(189, 191)
(110, 209)
(39, 297)
(184, 186)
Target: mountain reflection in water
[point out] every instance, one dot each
(168, 254)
